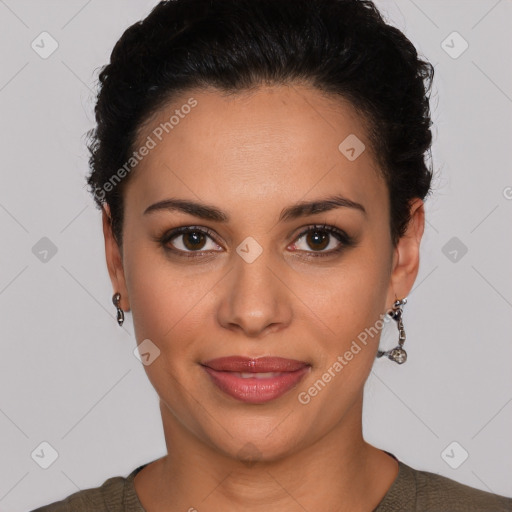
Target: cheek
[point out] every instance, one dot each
(166, 299)
(149, 286)
(165, 304)
(351, 303)
(356, 289)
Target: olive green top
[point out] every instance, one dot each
(411, 491)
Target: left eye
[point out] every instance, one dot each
(320, 238)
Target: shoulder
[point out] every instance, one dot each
(435, 492)
(90, 499)
(115, 494)
(421, 491)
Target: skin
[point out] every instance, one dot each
(251, 155)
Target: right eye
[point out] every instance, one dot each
(188, 239)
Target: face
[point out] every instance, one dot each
(253, 276)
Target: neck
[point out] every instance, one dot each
(340, 472)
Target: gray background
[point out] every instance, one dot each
(68, 375)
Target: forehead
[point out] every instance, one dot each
(274, 142)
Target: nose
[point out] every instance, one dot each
(255, 299)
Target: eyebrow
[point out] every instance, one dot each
(300, 209)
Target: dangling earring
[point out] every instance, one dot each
(120, 313)
(397, 354)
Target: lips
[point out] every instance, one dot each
(260, 365)
(255, 380)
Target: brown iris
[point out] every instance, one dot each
(193, 239)
(315, 237)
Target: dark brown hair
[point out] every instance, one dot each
(342, 47)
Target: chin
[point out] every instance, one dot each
(257, 439)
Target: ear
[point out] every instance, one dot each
(114, 260)
(406, 257)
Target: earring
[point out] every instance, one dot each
(120, 313)
(397, 354)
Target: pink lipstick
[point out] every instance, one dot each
(258, 380)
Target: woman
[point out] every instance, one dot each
(260, 166)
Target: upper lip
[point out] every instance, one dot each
(254, 365)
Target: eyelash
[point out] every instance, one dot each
(344, 239)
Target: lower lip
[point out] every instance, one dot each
(254, 390)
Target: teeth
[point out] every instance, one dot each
(249, 375)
